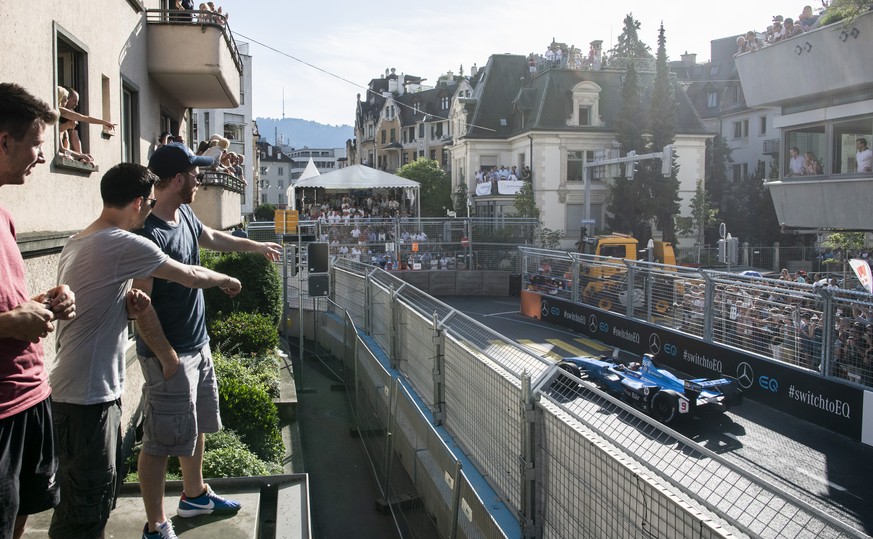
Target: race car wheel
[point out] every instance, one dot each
(665, 408)
(564, 384)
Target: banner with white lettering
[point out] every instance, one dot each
(803, 393)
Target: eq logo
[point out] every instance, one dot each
(671, 350)
(545, 308)
(592, 323)
(745, 375)
(604, 327)
(655, 343)
(770, 384)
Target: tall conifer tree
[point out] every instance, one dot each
(630, 201)
(662, 126)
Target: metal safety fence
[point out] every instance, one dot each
(420, 244)
(821, 328)
(473, 435)
(742, 501)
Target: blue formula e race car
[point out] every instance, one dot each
(665, 394)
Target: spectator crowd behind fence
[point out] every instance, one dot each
(811, 323)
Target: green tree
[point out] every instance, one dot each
(718, 156)
(461, 195)
(702, 215)
(630, 201)
(847, 10)
(436, 188)
(265, 212)
(662, 126)
(629, 44)
(525, 205)
(845, 245)
(749, 212)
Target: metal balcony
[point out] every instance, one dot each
(772, 146)
(193, 55)
(217, 203)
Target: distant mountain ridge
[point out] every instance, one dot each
(298, 133)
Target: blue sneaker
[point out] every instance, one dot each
(163, 531)
(208, 503)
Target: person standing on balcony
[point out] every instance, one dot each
(864, 157)
(28, 459)
(87, 377)
(173, 346)
(795, 162)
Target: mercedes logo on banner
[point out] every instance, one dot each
(655, 343)
(745, 375)
(545, 308)
(592, 323)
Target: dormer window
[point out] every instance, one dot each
(586, 104)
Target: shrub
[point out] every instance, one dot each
(265, 212)
(174, 471)
(244, 334)
(261, 285)
(251, 370)
(250, 412)
(233, 462)
(223, 438)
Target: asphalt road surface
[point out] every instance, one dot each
(827, 470)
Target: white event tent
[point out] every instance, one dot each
(356, 178)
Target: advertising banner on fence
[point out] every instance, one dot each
(801, 393)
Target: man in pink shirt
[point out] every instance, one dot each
(28, 459)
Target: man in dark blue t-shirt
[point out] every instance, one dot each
(180, 394)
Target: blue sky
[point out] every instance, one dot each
(359, 40)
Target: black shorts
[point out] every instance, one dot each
(90, 467)
(28, 463)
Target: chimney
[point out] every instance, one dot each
(689, 59)
(473, 71)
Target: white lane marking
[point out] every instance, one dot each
(831, 484)
(500, 314)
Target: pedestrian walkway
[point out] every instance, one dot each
(343, 491)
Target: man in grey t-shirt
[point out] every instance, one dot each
(87, 378)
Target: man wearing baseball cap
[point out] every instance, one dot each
(180, 394)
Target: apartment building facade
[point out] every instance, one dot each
(131, 72)
(237, 126)
(553, 121)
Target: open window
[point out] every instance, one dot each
(71, 73)
(130, 129)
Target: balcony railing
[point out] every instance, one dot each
(226, 181)
(772, 146)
